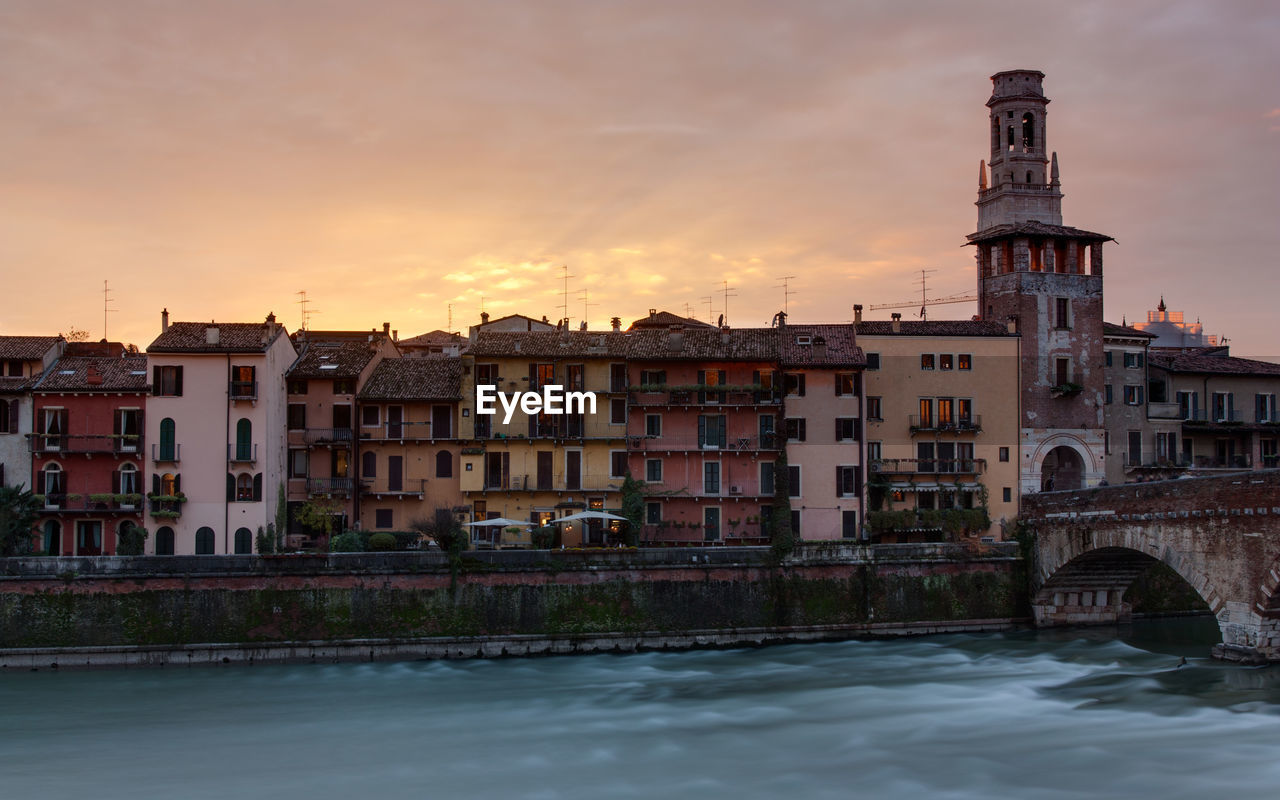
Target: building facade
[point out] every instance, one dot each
(22, 360)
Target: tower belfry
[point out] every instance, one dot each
(1045, 279)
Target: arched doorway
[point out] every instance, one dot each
(1062, 468)
(164, 541)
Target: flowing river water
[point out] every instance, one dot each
(1082, 713)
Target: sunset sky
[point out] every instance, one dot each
(391, 157)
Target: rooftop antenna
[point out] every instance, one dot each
(482, 306)
(925, 302)
(564, 307)
(708, 299)
(106, 309)
(688, 309)
(924, 292)
(585, 295)
(727, 294)
(306, 311)
(786, 292)
(450, 328)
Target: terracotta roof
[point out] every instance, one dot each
(15, 385)
(1112, 329)
(550, 344)
(1202, 361)
(704, 344)
(941, 327)
(330, 360)
(26, 348)
(233, 337)
(415, 379)
(302, 336)
(531, 324)
(665, 319)
(828, 346)
(1033, 228)
(73, 374)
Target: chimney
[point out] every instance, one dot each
(484, 317)
(92, 376)
(896, 324)
(164, 320)
(211, 334)
(857, 312)
(616, 322)
(386, 329)
(653, 314)
(395, 336)
(1012, 323)
(271, 318)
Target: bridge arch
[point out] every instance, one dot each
(1081, 579)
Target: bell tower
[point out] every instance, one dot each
(1045, 278)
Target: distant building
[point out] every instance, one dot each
(1142, 427)
(22, 360)
(1170, 330)
(434, 343)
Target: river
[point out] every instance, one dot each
(1017, 715)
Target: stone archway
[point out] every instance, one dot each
(1062, 469)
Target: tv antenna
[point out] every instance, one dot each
(306, 310)
(785, 286)
(585, 295)
(565, 276)
(106, 308)
(925, 302)
(710, 313)
(729, 291)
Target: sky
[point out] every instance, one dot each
(392, 158)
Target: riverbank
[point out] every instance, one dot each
(87, 612)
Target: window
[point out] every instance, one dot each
(848, 482)
(53, 424)
(1265, 407)
(1188, 405)
(766, 477)
(244, 487)
(1224, 406)
(618, 464)
(925, 457)
(1107, 358)
(128, 480)
(849, 524)
(244, 440)
(768, 426)
(794, 382)
(711, 477)
(964, 411)
(618, 411)
(52, 544)
(846, 429)
(8, 416)
(1004, 454)
(795, 429)
(653, 470)
(617, 377)
(945, 361)
(1135, 449)
(1108, 395)
(653, 425)
(1007, 495)
(1166, 446)
(444, 464)
(926, 412)
(873, 361)
(793, 478)
(1063, 371)
(1062, 317)
(946, 406)
(1133, 395)
(55, 480)
(846, 384)
(652, 513)
(926, 361)
(712, 431)
(874, 450)
(168, 449)
(298, 463)
(14, 366)
(343, 386)
(874, 410)
(368, 465)
(964, 361)
(653, 378)
(384, 518)
(369, 417)
(1133, 360)
(297, 416)
(204, 541)
(297, 386)
(166, 381)
(574, 376)
(243, 383)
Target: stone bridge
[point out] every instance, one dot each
(1221, 534)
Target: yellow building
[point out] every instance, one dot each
(542, 466)
(942, 427)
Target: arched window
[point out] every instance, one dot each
(168, 484)
(130, 481)
(1028, 176)
(444, 464)
(369, 465)
(244, 440)
(1028, 131)
(168, 449)
(1009, 138)
(995, 134)
(244, 487)
(164, 541)
(244, 541)
(204, 541)
(52, 538)
(54, 480)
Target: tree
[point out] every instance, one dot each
(781, 537)
(75, 334)
(319, 515)
(447, 532)
(18, 511)
(132, 540)
(632, 508)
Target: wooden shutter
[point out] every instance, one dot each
(231, 487)
(177, 484)
(506, 469)
(702, 430)
(115, 482)
(722, 430)
(155, 380)
(13, 416)
(39, 415)
(115, 423)
(155, 484)
(257, 488)
(40, 484)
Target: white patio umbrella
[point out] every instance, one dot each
(499, 522)
(585, 515)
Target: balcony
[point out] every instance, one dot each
(163, 506)
(930, 466)
(920, 424)
(88, 444)
(329, 485)
(1233, 461)
(237, 454)
(94, 503)
(327, 435)
(551, 483)
(1165, 411)
(678, 444)
(1134, 461)
(705, 396)
(243, 390)
(170, 454)
(413, 487)
(1206, 417)
(405, 431)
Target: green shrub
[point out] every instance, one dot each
(131, 541)
(349, 542)
(543, 538)
(382, 542)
